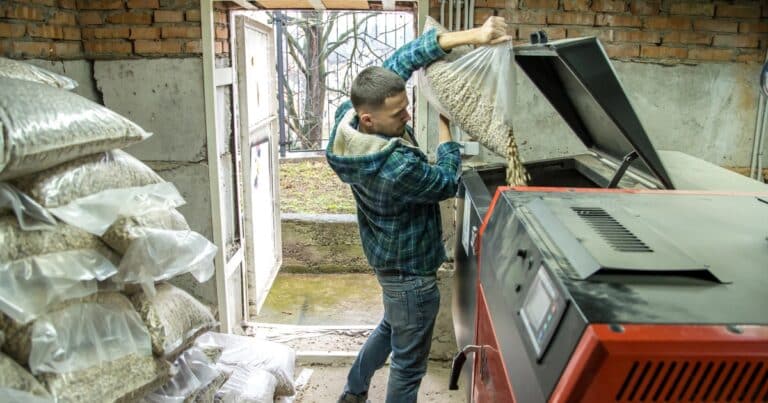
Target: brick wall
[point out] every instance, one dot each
(663, 30)
(105, 29)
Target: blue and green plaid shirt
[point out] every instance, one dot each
(397, 191)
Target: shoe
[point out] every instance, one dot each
(347, 397)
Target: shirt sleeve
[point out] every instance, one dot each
(420, 182)
(415, 54)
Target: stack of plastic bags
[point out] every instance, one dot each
(88, 235)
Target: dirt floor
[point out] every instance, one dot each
(311, 187)
(327, 382)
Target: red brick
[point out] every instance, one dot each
(525, 31)
(641, 7)
(561, 18)
(491, 4)
(222, 32)
(609, 6)
(67, 50)
(527, 17)
(193, 15)
(193, 47)
(753, 27)
(738, 11)
(618, 21)
(224, 46)
(24, 13)
(63, 18)
(72, 33)
(49, 3)
(33, 49)
(706, 9)
(711, 54)
(143, 4)
(663, 52)
(145, 33)
(183, 32)
(90, 18)
(149, 47)
(106, 33)
(622, 50)
(68, 4)
(221, 17)
(169, 16)
(219, 48)
(668, 23)
(687, 38)
(605, 35)
(715, 26)
(750, 56)
(637, 36)
(540, 4)
(576, 5)
(131, 18)
(108, 46)
(45, 31)
(99, 4)
(482, 14)
(12, 30)
(736, 41)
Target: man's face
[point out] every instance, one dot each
(389, 119)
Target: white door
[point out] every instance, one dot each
(259, 144)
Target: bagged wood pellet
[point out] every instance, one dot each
(248, 385)
(14, 376)
(174, 319)
(476, 91)
(85, 176)
(195, 379)
(127, 379)
(19, 70)
(42, 127)
(125, 230)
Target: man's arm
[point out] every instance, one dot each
(429, 46)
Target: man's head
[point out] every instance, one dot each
(379, 98)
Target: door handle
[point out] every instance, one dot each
(458, 362)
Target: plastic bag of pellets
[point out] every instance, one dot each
(29, 214)
(17, 384)
(242, 353)
(19, 70)
(42, 127)
(195, 379)
(476, 91)
(174, 319)
(85, 176)
(248, 385)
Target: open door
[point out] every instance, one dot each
(256, 79)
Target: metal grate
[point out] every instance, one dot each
(615, 234)
(695, 381)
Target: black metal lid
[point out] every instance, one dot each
(577, 78)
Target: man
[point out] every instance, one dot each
(397, 193)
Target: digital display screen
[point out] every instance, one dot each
(537, 304)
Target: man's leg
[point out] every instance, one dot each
(411, 304)
(370, 358)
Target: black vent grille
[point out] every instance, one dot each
(615, 234)
(695, 381)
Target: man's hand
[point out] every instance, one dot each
(493, 31)
(443, 130)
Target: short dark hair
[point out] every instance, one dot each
(373, 85)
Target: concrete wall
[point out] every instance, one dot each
(322, 244)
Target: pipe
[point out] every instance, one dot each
(471, 13)
(442, 12)
(280, 90)
(756, 163)
(449, 26)
(457, 26)
(467, 24)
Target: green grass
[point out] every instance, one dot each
(311, 187)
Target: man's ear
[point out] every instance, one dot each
(366, 120)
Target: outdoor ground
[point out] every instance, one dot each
(311, 187)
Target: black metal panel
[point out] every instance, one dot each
(577, 78)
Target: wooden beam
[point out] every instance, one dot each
(346, 4)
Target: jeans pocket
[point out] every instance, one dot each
(396, 308)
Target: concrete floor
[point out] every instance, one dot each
(327, 382)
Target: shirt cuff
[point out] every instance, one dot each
(449, 147)
(434, 50)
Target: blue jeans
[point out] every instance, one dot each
(410, 308)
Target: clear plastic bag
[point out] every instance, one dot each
(85, 176)
(95, 213)
(248, 385)
(84, 335)
(29, 214)
(195, 377)
(245, 353)
(15, 395)
(125, 230)
(17, 381)
(19, 70)
(43, 127)
(174, 319)
(29, 286)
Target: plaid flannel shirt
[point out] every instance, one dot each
(397, 191)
